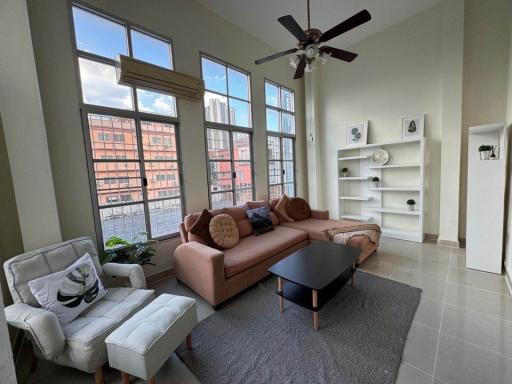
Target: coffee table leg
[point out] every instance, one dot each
(353, 274)
(281, 299)
(315, 313)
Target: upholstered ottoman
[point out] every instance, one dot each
(143, 344)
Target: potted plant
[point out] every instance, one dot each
(485, 151)
(344, 172)
(375, 182)
(118, 250)
(411, 203)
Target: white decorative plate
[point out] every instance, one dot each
(380, 157)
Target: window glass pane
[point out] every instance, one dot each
(98, 35)
(222, 200)
(155, 102)
(218, 144)
(274, 172)
(163, 179)
(289, 189)
(274, 149)
(271, 95)
(164, 216)
(221, 176)
(99, 86)
(239, 113)
(288, 175)
(112, 138)
(275, 191)
(243, 171)
(150, 49)
(287, 101)
(216, 108)
(159, 141)
(243, 196)
(127, 222)
(287, 149)
(238, 84)
(117, 182)
(272, 120)
(241, 146)
(288, 123)
(214, 76)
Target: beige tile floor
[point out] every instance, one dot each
(462, 332)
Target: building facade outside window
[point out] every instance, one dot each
(228, 122)
(280, 120)
(131, 134)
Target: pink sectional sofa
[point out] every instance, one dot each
(219, 275)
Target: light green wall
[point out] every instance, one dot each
(192, 28)
(10, 235)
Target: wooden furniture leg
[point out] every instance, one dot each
(98, 376)
(152, 381)
(353, 274)
(280, 289)
(189, 341)
(315, 312)
(125, 377)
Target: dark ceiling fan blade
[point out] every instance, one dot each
(300, 68)
(352, 22)
(293, 27)
(339, 53)
(275, 56)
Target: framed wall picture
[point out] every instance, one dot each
(412, 127)
(357, 134)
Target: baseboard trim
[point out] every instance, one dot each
(167, 274)
(508, 279)
(449, 243)
(431, 237)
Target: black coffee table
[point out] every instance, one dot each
(313, 275)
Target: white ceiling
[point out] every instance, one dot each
(259, 17)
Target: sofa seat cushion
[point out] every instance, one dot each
(85, 336)
(252, 250)
(315, 228)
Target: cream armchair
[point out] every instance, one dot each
(81, 343)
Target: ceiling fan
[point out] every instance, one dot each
(310, 41)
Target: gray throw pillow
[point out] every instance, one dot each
(260, 220)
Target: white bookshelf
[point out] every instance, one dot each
(402, 178)
(486, 199)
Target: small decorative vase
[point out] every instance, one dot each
(411, 207)
(493, 153)
(376, 184)
(484, 155)
(344, 174)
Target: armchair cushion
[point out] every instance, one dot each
(31, 265)
(85, 336)
(42, 326)
(133, 271)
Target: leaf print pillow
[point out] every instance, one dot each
(70, 292)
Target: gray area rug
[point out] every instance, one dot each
(361, 337)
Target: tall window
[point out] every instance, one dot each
(131, 133)
(227, 111)
(280, 113)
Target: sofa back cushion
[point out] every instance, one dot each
(44, 261)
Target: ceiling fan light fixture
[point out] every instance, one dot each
(323, 57)
(294, 61)
(310, 67)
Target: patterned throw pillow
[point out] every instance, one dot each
(298, 209)
(260, 220)
(282, 207)
(70, 292)
(201, 228)
(224, 231)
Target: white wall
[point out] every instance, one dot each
(508, 237)
(24, 129)
(399, 72)
(486, 69)
(192, 28)
(6, 363)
